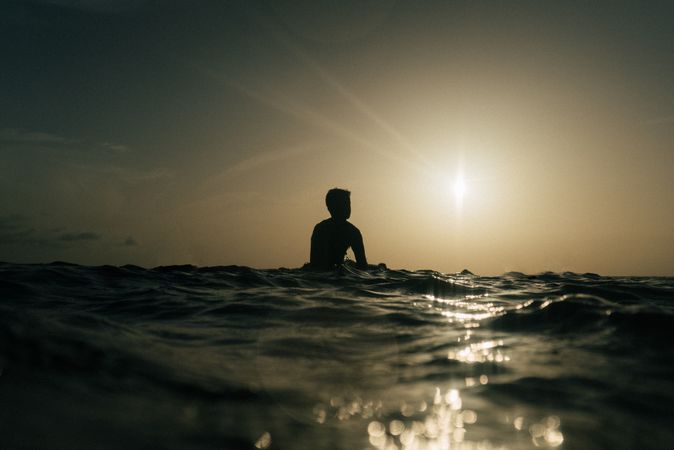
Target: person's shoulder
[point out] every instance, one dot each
(322, 225)
(353, 229)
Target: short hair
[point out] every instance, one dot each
(335, 200)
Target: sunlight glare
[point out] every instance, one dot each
(459, 189)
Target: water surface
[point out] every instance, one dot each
(232, 357)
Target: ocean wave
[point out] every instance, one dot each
(266, 350)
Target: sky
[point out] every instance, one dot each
(493, 136)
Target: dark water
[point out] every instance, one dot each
(231, 357)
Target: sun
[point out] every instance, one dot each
(459, 189)
(453, 189)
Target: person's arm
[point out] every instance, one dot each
(359, 249)
(314, 256)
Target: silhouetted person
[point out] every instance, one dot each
(332, 237)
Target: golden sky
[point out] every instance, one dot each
(503, 137)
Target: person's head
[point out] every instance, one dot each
(338, 202)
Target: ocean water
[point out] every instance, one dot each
(186, 357)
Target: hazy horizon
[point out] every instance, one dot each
(523, 137)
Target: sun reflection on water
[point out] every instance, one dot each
(467, 311)
(442, 423)
(480, 352)
(440, 426)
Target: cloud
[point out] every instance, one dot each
(130, 242)
(108, 159)
(120, 148)
(212, 187)
(268, 157)
(83, 236)
(127, 175)
(16, 230)
(257, 161)
(31, 137)
(23, 139)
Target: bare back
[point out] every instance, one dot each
(330, 241)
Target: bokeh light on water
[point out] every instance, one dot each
(441, 424)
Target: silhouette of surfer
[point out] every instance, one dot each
(333, 237)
